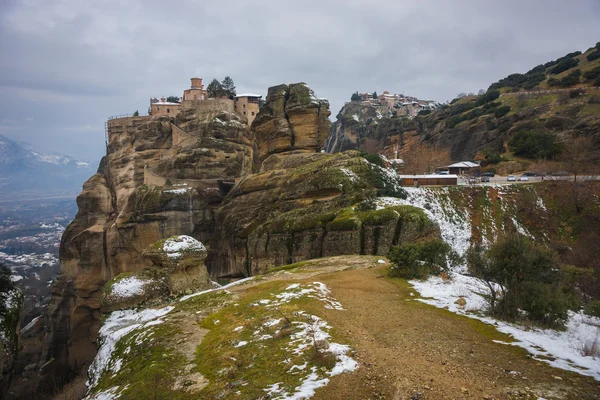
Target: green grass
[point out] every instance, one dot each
(258, 364)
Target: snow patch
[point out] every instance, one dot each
(176, 245)
(116, 326)
(128, 287)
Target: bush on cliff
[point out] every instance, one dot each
(535, 145)
(524, 279)
(419, 260)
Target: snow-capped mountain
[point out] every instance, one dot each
(24, 167)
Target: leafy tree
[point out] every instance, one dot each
(174, 99)
(228, 87)
(375, 95)
(535, 145)
(355, 97)
(522, 276)
(214, 89)
(136, 113)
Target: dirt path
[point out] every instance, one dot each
(409, 350)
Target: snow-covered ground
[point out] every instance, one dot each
(116, 326)
(563, 350)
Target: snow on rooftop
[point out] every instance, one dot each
(463, 164)
(428, 176)
(165, 103)
(249, 95)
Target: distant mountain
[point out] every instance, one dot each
(24, 168)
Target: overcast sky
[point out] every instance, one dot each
(67, 65)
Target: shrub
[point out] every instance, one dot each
(593, 308)
(576, 93)
(564, 65)
(535, 145)
(592, 74)
(504, 127)
(420, 260)
(367, 205)
(502, 111)
(6, 284)
(372, 158)
(488, 96)
(522, 277)
(594, 100)
(491, 156)
(593, 56)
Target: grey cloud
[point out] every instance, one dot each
(109, 57)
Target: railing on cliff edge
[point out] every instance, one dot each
(106, 125)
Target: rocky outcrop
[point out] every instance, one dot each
(178, 268)
(292, 120)
(161, 177)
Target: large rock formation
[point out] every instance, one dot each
(293, 119)
(192, 175)
(161, 177)
(302, 203)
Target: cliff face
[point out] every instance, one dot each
(161, 177)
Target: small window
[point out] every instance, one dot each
(252, 112)
(244, 112)
(168, 110)
(244, 106)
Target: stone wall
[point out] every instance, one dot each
(118, 126)
(153, 180)
(208, 105)
(168, 110)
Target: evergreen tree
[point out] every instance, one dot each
(174, 99)
(214, 89)
(375, 95)
(228, 87)
(355, 96)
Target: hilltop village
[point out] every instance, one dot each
(397, 104)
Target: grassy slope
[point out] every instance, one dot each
(402, 345)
